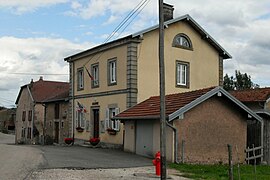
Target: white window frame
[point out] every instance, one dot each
(80, 78)
(109, 123)
(112, 71)
(80, 119)
(95, 72)
(182, 73)
(182, 41)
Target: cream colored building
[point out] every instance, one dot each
(125, 72)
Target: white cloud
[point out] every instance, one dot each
(36, 56)
(22, 6)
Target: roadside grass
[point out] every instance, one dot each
(220, 172)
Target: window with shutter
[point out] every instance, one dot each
(107, 119)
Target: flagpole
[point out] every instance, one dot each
(162, 94)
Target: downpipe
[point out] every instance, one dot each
(175, 141)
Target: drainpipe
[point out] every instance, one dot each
(175, 141)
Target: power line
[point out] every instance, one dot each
(138, 9)
(133, 18)
(120, 25)
(126, 19)
(47, 74)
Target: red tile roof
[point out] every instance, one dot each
(151, 106)
(252, 95)
(45, 90)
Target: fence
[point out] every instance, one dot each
(253, 154)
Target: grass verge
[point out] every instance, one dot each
(195, 171)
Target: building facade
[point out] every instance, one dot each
(259, 101)
(7, 119)
(200, 125)
(56, 119)
(30, 113)
(112, 77)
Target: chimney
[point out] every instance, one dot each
(167, 11)
(40, 78)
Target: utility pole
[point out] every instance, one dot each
(162, 94)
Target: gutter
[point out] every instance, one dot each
(175, 141)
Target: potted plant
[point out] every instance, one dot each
(79, 129)
(68, 140)
(94, 141)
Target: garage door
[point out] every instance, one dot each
(144, 138)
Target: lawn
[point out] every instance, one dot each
(221, 171)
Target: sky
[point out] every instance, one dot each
(36, 35)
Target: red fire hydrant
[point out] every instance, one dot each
(156, 163)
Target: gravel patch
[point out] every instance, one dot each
(91, 174)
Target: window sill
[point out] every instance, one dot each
(182, 86)
(112, 84)
(79, 129)
(183, 47)
(95, 86)
(111, 131)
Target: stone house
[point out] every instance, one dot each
(200, 124)
(56, 118)
(30, 113)
(114, 76)
(7, 119)
(259, 101)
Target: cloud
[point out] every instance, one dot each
(22, 6)
(34, 56)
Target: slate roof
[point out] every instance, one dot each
(252, 95)
(42, 91)
(178, 104)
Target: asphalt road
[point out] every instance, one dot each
(16, 162)
(88, 158)
(22, 161)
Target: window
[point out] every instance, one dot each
(95, 74)
(182, 41)
(23, 116)
(23, 132)
(110, 123)
(182, 74)
(62, 124)
(30, 115)
(80, 79)
(112, 72)
(80, 121)
(29, 133)
(56, 111)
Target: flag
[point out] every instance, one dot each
(81, 107)
(91, 77)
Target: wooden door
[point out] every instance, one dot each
(96, 122)
(56, 133)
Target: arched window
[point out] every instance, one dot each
(182, 41)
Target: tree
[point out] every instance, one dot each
(239, 82)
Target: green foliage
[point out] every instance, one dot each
(220, 172)
(239, 82)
